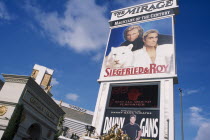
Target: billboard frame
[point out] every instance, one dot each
(143, 76)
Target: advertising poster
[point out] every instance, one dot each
(139, 51)
(141, 96)
(136, 123)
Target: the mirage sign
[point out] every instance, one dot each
(136, 123)
(145, 8)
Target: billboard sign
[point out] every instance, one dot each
(140, 18)
(138, 69)
(136, 123)
(143, 9)
(143, 50)
(141, 96)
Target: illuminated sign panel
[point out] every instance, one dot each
(144, 50)
(144, 96)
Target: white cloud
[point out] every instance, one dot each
(54, 82)
(72, 96)
(196, 118)
(3, 12)
(195, 109)
(97, 57)
(203, 132)
(193, 91)
(201, 122)
(83, 27)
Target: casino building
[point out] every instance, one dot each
(27, 110)
(75, 119)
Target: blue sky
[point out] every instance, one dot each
(70, 36)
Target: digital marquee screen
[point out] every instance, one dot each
(145, 96)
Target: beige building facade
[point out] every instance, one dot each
(40, 114)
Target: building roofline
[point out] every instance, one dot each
(76, 108)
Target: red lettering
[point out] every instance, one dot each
(128, 71)
(123, 71)
(152, 68)
(159, 68)
(119, 72)
(141, 70)
(107, 72)
(136, 71)
(146, 71)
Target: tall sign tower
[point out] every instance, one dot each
(139, 72)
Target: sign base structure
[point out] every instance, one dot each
(151, 102)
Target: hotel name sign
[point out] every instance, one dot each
(78, 108)
(143, 12)
(40, 107)
(154, 6)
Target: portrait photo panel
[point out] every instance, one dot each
(142, 49)
(136, 123)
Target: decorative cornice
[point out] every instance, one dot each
(7, 103)
(16, 78)
(3, 127)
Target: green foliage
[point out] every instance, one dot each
(13, 124)
(60, 125)
(59, 132)
(60, 122)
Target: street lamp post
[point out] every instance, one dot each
(181, 113)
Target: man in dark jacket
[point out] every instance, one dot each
(132, 129)
(133, 35)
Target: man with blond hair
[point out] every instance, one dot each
(133, 35)
(153, 53)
